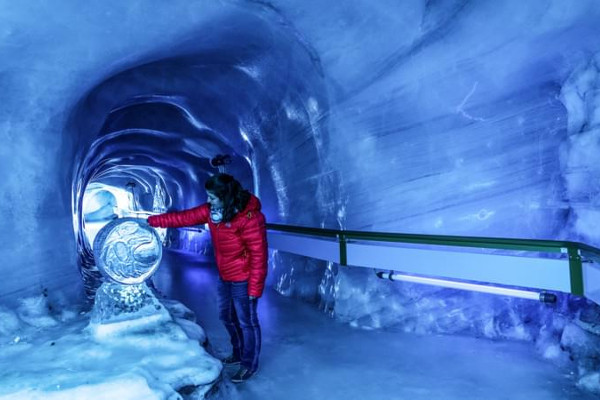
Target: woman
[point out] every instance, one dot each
(237, 229)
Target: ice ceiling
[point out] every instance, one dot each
(439, 117)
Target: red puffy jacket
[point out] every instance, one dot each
(240, 245)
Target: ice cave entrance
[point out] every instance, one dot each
(103, 203)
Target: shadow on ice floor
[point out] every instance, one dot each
(307, 355)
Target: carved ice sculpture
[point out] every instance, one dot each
(127, 252)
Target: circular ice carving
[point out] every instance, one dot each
(127, 250)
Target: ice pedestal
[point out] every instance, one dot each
(125, 308)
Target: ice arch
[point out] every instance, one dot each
(243, 92)
(230, 79)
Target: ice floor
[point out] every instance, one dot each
(307, 355)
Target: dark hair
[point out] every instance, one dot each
(230, 192)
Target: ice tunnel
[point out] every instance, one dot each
(247, 92)
(456, 118)
(234, 79)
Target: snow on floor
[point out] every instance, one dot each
(60, 355)
(307, 355)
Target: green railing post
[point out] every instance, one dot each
(343, 250)
(576, 271)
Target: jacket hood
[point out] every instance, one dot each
(253, 204)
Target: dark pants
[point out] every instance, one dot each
(238, 314)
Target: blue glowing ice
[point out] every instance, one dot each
(457, 117)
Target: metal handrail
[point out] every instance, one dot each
(572, 249)
(441, 240)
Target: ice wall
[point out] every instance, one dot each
(579, 152)
(457, 126)
(50, 53)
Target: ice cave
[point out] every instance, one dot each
(428, 171)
